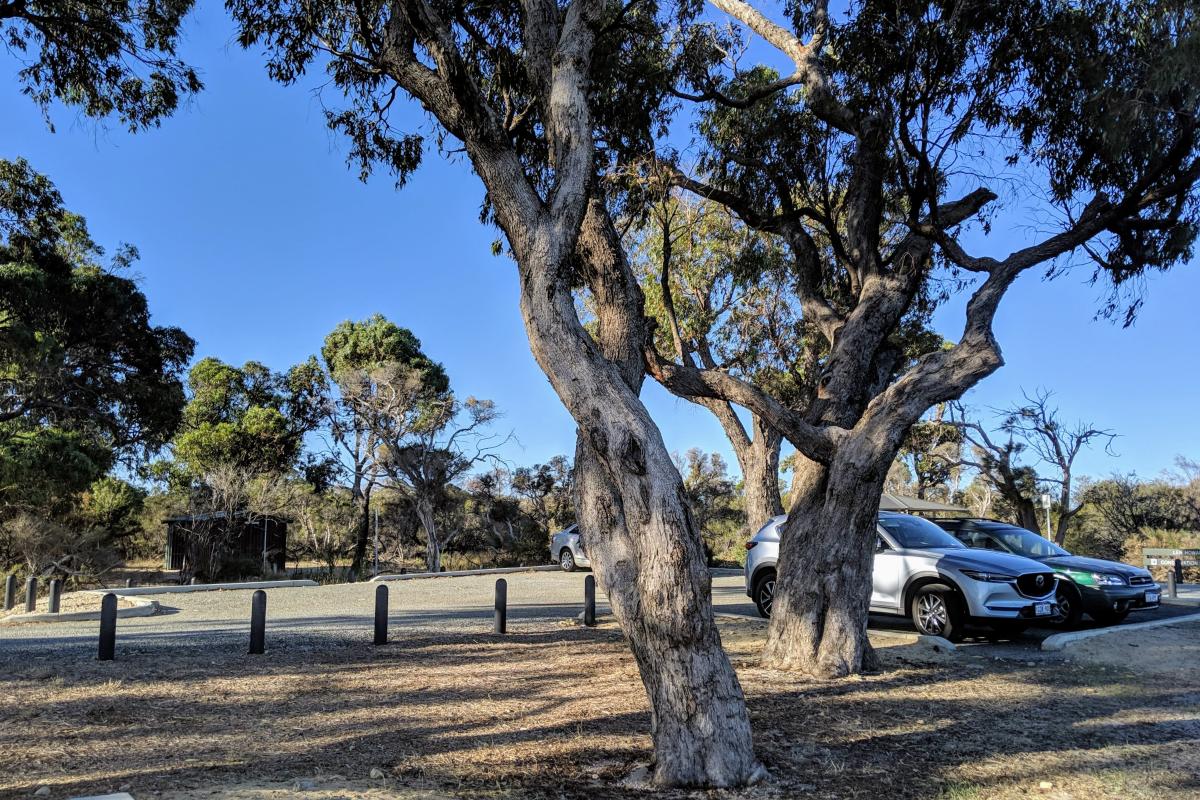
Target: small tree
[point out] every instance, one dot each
(1056, 444)
(1033, 428)
(353, 353)
(425, 443)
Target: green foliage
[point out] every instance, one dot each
(931, 454)
(43, 469)
(249, 419)
(715, 504)
(104, 57)
(355, 347)
(77, 348)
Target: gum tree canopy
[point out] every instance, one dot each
(547, 99)
(899, 124)
(106, 57)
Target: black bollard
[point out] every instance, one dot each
(108, 627)
(193, 581)
(1172, 592)
(129, 583)
(258, 622)
(1178, 571)
(589, 601)
(501, 625)
(381, 614)
(55, 595)
(30, 595)
(10, 592)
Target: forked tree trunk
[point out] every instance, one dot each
(823, 588)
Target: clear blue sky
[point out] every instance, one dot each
(257, 240)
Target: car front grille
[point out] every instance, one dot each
(1029, 585)
(1140, 580)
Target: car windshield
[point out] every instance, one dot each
(917, 533)
(1025, 543)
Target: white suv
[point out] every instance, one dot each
(924, 572)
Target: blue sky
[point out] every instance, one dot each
(257, 240)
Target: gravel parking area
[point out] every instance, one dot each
(296, 617)
(342, 613)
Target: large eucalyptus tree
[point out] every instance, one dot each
(899, 124)
(542, 96)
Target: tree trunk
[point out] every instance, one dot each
(760, 478)
(649, 561)
(363, 534)
(1027, 516)
(433, 547)
(647, 554)
(823, 584)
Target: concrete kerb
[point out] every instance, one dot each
(463, 573)
(140, 608)
(122, 591)
(1060, 641)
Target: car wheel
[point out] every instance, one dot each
(1110, 617)
(937, 611)
(566, 560)
(764, 592)
(1070, 606)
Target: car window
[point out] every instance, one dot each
(916, 532)
(1025, 543)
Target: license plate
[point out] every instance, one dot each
(1041, 609)
(1151, 597)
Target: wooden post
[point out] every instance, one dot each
(10, 592)
(30, 595)
(1178, 571)
(501, 625)
(258, 622)
(55, 595)
(1171, 593)
(589, 601)
(381, 614)
(108, 627)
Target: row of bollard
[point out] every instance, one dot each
(55, 600)
(258, 616)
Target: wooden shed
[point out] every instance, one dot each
(245, 537)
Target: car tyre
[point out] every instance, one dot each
(764, 592)
(566, 560)
(1110, 617)
(1070, 605)
(937, 610)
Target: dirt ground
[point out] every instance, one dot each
(69, 602)
(559, 711)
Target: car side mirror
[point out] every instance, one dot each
(880, 544)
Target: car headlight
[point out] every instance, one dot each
(988, 577)
(1097, 578)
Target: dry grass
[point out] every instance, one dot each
(559, 712)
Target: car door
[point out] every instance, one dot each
(887, 577)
